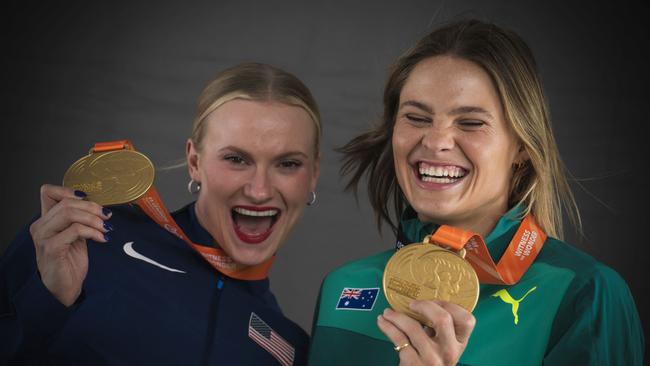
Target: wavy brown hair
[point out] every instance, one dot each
(539, 185)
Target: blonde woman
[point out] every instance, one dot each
(92, 285)
(466, 142)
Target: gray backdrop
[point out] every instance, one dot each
(81, 72)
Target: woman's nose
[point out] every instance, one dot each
(439, 138)
(259, 189)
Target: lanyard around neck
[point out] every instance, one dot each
(518, 257)
(153, 206)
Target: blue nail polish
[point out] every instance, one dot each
(80, 194)
(106, 211)
(108, 226)
(106, 237)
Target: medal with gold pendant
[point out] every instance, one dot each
(425, 271)
(111, 177)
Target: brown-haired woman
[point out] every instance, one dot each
(96, 286)
(466, 146)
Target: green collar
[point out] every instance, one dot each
(412, 230)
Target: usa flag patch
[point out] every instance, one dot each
(357, 299)
(272, 342)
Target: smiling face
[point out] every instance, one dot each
(256, 166)
(453, 149)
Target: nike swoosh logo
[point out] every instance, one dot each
(128, 249)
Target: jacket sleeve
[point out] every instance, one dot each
(598, 324)
(30, 316)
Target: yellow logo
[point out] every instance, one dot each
(505, 297)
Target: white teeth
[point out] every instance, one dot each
(243, 211)
(438, 180)
(429, 171)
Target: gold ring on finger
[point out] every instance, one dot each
(401, 347)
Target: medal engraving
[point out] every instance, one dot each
(111, 178)
(404, 287)
(428, 272)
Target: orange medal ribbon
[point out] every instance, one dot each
(152, 205)
(518, 257)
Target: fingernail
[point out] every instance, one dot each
(387, 311)
(80, 194)
(106, 237)
(108, 226)
(106, 211)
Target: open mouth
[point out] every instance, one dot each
(440, 174)
(254, 224)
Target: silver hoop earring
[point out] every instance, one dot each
(193, 187)
(313, 198)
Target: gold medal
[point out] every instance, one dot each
(112, 177)
(429, 272)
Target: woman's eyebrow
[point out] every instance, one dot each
(291, 154)
(456, 111)
(416, 104)
(470, 109)
(248, 155)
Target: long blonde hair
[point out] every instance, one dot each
(539, 185)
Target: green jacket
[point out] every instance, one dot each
(567, 309)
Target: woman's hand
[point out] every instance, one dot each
(60, 235)
(441, 342)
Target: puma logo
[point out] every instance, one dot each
(505, 297)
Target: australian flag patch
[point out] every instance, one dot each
(357, 298)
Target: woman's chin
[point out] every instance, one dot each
(251, 255)
(251, 260)
(433, 212)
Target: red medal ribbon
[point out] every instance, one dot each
(518, 257)
(152, 205)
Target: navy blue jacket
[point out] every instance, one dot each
(133, 312)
